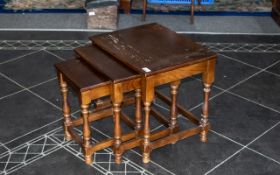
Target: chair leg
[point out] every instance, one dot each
(66, 108)
(144, 10)
(204, 120)
(192, 12)
(86, 133)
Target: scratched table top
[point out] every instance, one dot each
(152, 48)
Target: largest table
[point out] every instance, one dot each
(162, 56)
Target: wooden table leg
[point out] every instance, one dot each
(117, 97)
(138, 113)
(173, 125)
(204, 119)
(208, 79)
(66, 108)
(86, 130)
(147, 97)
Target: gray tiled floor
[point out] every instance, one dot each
(244, 112)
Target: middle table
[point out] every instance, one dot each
(162, 56)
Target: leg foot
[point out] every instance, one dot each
(203, 136)
(146, 158)
(118, 158)
(88, 159)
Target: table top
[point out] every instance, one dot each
(82, 75)
(152, 48)
(104, 63)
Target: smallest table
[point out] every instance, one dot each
(162, 56)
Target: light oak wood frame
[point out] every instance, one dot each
(207, 69)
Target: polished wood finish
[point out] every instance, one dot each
(123, 80)
(152, 46)
(92, 85)
(66, 107)
(173, 125)
(161, 56)
(276, 11)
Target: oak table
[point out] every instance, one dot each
(162, 56)
(123, 80)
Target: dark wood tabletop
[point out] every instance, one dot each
(104, 63)
(74, 69)
(152, 48)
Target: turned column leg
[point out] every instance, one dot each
(173, 124)
(117, 132)
(204, 120)
(138, 114)
(117, 98)
(146, 139)
(66, 108)
(86, 133)
(147, 97)
(208, 78)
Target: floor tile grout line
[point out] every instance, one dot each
(45, 141)
(233, 59)
(17, 58)
(256, 47)
(251, 76)
(221, 163)
(49, 52)
(39, 156)
(25, 155)
(30, 141)
(263, 155)
(3, 75)
(134, 151)
(227, 138)
(263, 134)
(240, 144)
(32, 131)
(240, 82)
(40, 128)
(247, 99)
(64, 146)
(246, 146)
(1, 144)
(35, 131)
(44, 82)
(108, 151)
(24, 89)
(252, 101)
(11, 94)
(244, 51)
(5, 167)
